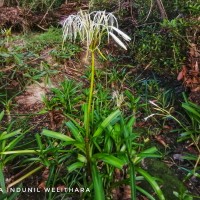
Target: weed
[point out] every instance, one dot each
(68, 52)
(48, 39)
(183, 196)
(65, 98)
(189, 130)
(9, 140)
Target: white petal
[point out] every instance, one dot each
(126, 37)
(118, 40)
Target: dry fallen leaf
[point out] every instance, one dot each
(42, 185)
(160, 139)
(182, 73)
(45, 174)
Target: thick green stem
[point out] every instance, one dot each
(2, 179)
(132, 179)
(87, 136)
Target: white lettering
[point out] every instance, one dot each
(76, 190)
(18, 189)
(57, 189)
(70, 190)
(11, 189)
(47, 189)
(30, 190)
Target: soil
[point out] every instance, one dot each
(23, 19)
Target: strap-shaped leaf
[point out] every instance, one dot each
(8, 135)
(13, 143)
(97, 182)
(1, 115)
(59, 136)
(112, 117)
(39, 141)
(2, 178)
(75, 132)
(20, 152)
(148, 153)
(152, 182)
(150, 197)
(109, 159)
(190, 109)
(75, 166)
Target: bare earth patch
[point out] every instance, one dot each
(33, 94)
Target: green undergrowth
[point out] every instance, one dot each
(31, 56)
(33, 5)
(170, 181)
(130, 107)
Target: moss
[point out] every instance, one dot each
(169, 179)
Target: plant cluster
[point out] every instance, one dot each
(102, 133)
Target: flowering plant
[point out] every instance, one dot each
(91, 27)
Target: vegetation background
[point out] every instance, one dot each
(79, 114)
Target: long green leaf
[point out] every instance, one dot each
(148, 153)
(11, 157)
(8, 135)
(75, 132)
(20, 152)
(97, 182)
(190, 109)
(39, 141)
(1, 115)
(150, 197)
(109, 159)
(112, 117)
(68, 140)
(152, 182)
(13, 143)
(2, 178)
(75, 166)
(130, 123)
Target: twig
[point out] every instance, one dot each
(44, 29)
(47, 11)
(7, 68)
(149, 11)
(162, 9)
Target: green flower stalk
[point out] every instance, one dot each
(90, 28)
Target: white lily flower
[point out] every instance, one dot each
(90, 27)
